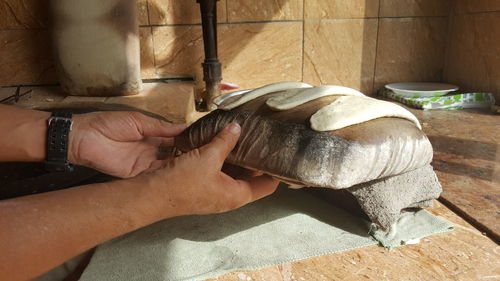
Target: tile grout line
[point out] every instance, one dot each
(222, 23)
(147, 11)
(227, 12)
(303, 38)
(373, 92)
(450, 29)
(152, 40)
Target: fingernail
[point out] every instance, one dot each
(234, 128)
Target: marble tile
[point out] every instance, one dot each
(264, 10)
(410, 49)
(147, 53)
(467, 162)
(173, 101)
(476, 6)
(414, 8)
(178, 49)
(473, 57)
(338, 9)
(142, 12)
(251, 55)
(262, 53)
(25, 57)
(180, 12)
(340, 52)
(23, 14)
(6, 92)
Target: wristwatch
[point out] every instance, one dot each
(59, 126)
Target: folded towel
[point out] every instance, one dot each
(383, 201)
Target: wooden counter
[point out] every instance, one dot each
(467, 161)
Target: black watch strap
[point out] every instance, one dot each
(59, 126)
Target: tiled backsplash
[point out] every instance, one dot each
(357, 43)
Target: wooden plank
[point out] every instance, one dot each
(464, 254)
(467, 161)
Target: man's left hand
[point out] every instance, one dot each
(122, 144)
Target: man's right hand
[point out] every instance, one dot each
(193, 183)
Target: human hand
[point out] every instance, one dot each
(195, 184)
(122, 144)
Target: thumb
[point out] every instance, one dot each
(222, 144)
(152, 127)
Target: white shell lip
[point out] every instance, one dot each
(221, 99)
(261, 91)
(424, 89)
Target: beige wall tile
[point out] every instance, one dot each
(256, 54)
(473, 58)
(410, 50)
(25, 57)
(180, 11)
(264, 10)
(21, 14)
(414, 8)
(340, 52)
(178, 49)
(251, 54)
(476, 6)
(338, 9)
(142, 12)
(147, 55)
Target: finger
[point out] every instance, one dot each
(151, 127)
(261, 186)
(222, 144)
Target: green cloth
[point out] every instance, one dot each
(411, 227)
(449, 102)
(288, 226)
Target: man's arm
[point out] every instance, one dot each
(24, 134)
(122, 144)
(41, 231)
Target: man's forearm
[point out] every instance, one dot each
(41, 231)
(24, 134)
